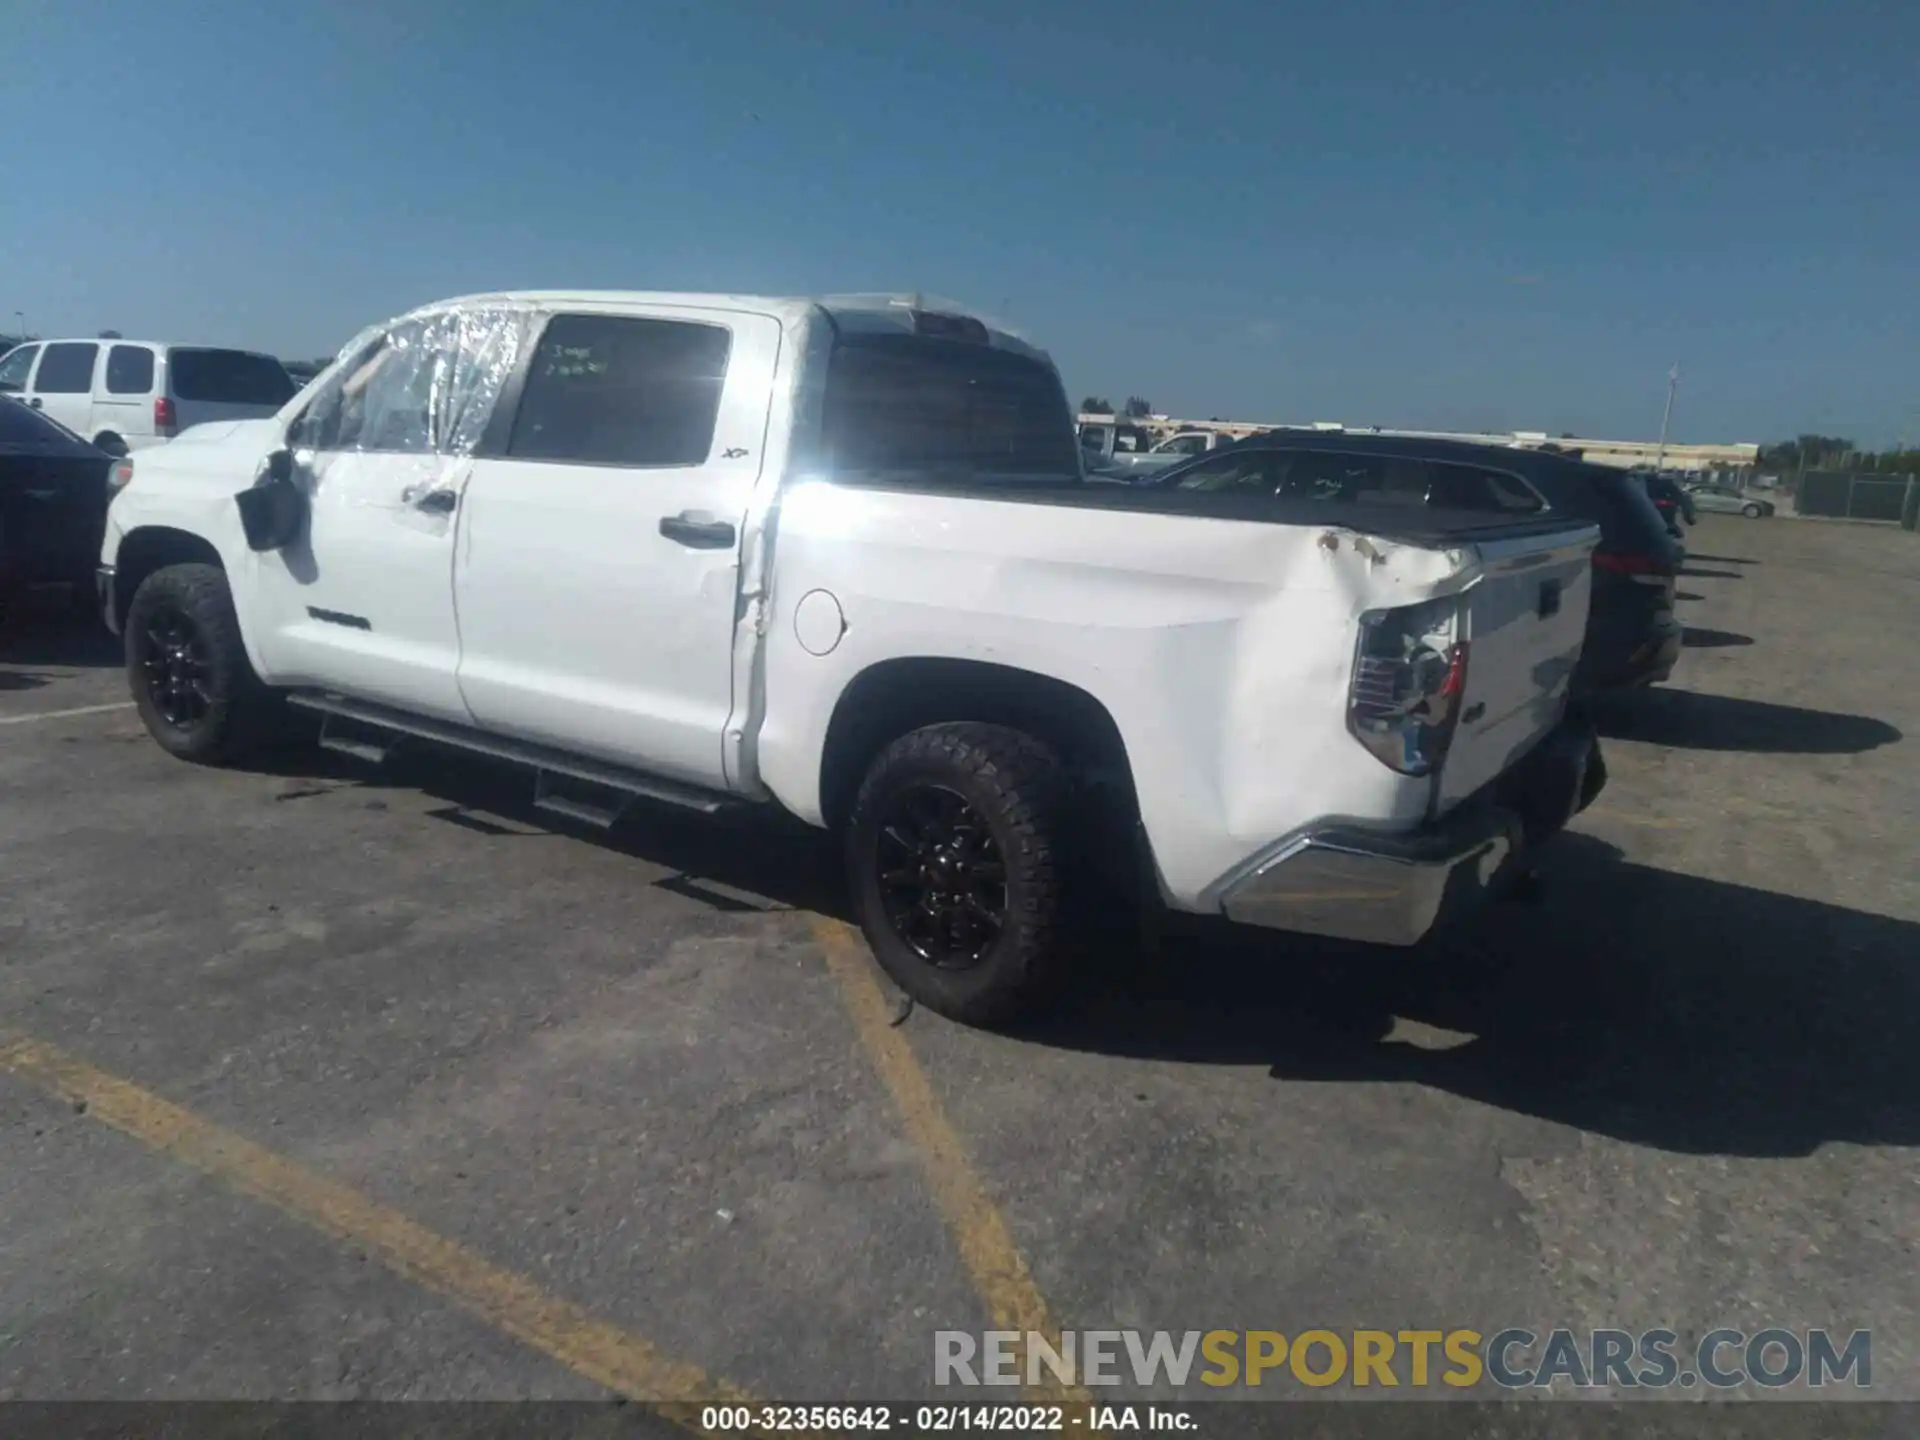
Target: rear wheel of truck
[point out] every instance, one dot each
(191, 679)
(954, 857)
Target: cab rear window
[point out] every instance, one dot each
(904, 406)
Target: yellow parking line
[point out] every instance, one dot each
(578, 1339)
(993, 1261)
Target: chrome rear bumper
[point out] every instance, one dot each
(1395, 888)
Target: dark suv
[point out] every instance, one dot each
(1633, 634)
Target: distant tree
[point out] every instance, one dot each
(1093, 405)
(1138, 408)
(1807, 452)
(111, 335)
(1568, 435)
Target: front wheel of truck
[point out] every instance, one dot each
(954, 854)
(188, 670)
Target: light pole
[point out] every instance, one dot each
(1673, 383)
(21, 316)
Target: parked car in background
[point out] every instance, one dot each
(122, 395)
(1728, 500)
(53, 502)
(841, 557)
(1633, 632)
(1126, 451)
(1673, 502)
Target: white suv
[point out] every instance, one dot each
(126, 394)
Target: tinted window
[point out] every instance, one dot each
(228, 377)
(1332, 477)
(1237, 472)
(1617, 502)
(66, 369)
(609, 391)
(910, 404)
(1186, 445)
(129, 370)
(1468, 487)
(16, 367)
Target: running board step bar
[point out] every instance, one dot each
(547, 763)
(371, 751)
(588, 811)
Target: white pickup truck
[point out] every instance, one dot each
(841, 557)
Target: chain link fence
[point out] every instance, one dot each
(1856, 495)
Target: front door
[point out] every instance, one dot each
(598, 571)
(363, 601)
(63, 384)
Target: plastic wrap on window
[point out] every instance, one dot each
(431, 388)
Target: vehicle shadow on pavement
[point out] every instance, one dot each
(1723, 559)
(1661, 1009)
(1692, 573)
(1693, 720)
(1694, 637)
(772, 861)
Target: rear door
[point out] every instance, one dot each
(207, 385)
(123, 405)
(599, 550)
(62, 387)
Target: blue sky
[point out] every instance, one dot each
(1505, 215)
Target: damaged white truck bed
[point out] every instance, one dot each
(840, 557)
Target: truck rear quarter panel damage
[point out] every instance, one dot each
(1222, 650)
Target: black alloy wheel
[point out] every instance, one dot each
(943, 883)
(175, 668)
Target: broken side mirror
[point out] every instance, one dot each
(273, 512)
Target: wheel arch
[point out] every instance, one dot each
(894, 697)
(154, 547)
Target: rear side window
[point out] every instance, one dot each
(1237, 472)
(909, 405)
(129, 370)
(1468, 487)
(607, 390)
(16, 367)
(66, 369)
(1329, 477)
(1614, 500)
(228, 377)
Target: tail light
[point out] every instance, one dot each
(119, 477)
(1627, 562)
(1655, 570)
(163, 417)
(1409, 673)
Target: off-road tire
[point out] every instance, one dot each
(239, 711)
(1017, 789)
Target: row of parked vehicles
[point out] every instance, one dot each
(844, 558)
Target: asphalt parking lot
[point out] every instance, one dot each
(324, 1082)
